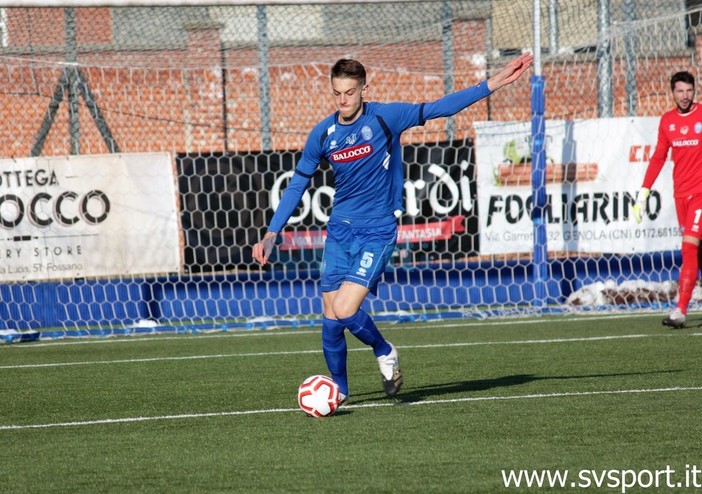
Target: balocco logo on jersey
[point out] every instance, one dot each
(352, 154)
(685, 143)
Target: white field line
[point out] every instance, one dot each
(215, 332)
(305, 352)
(102, 340)
(367, 405)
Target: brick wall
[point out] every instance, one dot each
(182, 109)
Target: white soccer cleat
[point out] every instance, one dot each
(390, 370)
(675, 319)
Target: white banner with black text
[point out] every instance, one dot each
(84, 216)
(594, 169)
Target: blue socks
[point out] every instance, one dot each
(362, 327)
(334, 343)
(334, 348)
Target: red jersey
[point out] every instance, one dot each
(684, 134)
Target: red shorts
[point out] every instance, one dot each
(689, 211)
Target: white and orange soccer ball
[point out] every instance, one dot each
(318, 396)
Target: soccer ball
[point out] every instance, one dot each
(318, 396)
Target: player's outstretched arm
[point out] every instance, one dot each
(511, 72)
(262, 250)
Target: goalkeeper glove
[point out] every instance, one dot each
(640, 205)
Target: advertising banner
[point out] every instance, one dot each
(80, 216)
(439, 221)
(228, 201)
(594, 169)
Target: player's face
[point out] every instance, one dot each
(683, 95)
(348, 96)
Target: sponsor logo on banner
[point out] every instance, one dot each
(407, 234)
(590, 187)
(81, 216)
(438, 206)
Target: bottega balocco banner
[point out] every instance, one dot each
(79, 216)
(594, 169)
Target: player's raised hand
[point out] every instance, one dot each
(512, 71)
(262, 250)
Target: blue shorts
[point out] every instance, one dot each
(357, 254)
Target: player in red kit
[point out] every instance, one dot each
(681, 130)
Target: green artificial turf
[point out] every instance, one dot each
(607, 399)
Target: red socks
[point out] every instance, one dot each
(688, 274)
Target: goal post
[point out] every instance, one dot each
(145, 145)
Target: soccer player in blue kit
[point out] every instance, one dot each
(361, 141)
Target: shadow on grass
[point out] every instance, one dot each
(408, 394)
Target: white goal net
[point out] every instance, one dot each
(143, 150)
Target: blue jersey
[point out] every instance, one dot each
(366, 157)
